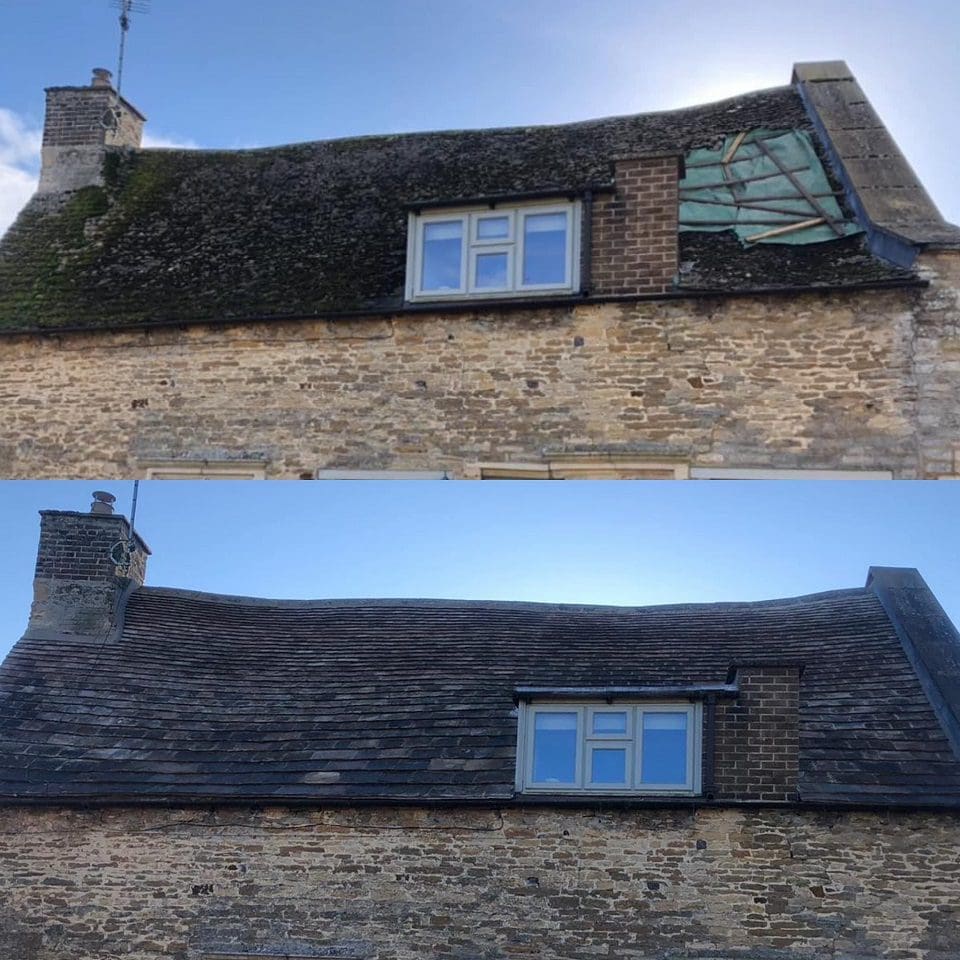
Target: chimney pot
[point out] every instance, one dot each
(101, 77)
(102, 502)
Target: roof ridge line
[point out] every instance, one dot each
(447, 603)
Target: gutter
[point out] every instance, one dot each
(471, 306)
(949, 804)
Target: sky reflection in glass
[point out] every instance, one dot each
(493, 228)
(555, 748)
(442, 250)
(545, 248)
(491, 270)
(609, 765)
(664, 748)
(607, 722)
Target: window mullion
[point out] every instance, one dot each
(638, 747)
(581, 746)
(465, 253)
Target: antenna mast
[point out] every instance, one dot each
(126, 7)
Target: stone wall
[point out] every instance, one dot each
(855, 380)
(937, 366)
(465, 884)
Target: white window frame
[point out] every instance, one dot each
(344, 474)
(472, 247)
(204, 469)
(774, 473)
(588, 741)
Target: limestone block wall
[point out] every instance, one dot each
(854, 380)
(937, 365)
(452, 884)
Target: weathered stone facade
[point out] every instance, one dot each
(187, 884)
(863, 379)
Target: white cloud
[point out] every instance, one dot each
(167, 143)
(19, 165)
(20, 161)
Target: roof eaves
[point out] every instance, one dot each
(494, 802)
(469, 306)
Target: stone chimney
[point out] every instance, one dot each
(81, 125)
(86, 563)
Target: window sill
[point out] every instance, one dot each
(500, 296)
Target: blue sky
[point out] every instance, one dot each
(237, 73)
(624, 542)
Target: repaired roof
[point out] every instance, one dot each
(205, 696)
(320, 228)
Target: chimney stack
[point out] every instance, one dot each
(81, 125)
(86, 563)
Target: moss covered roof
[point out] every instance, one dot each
(183, 236)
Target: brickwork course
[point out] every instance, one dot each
(183, 307)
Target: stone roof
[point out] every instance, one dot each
(320, 228)
(204, 697)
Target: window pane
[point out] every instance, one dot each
(493, 228)
(545, 248)
(491, 270)
(555, 748)
(442, 252)
(609, 766)
(664, 748)
(609, 723)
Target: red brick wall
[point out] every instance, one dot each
(634, 242)
(757, 738)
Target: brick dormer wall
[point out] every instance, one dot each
(756, 736)
(634, 242)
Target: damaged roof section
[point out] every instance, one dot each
(320, 229)
(766, 186)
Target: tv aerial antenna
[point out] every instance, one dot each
(126, 8)
(122, 552)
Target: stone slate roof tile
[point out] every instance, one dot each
(318, 228)
(211, 697)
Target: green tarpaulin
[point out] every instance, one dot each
(751, 194)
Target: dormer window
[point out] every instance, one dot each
(619, 748)
(493, 251)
